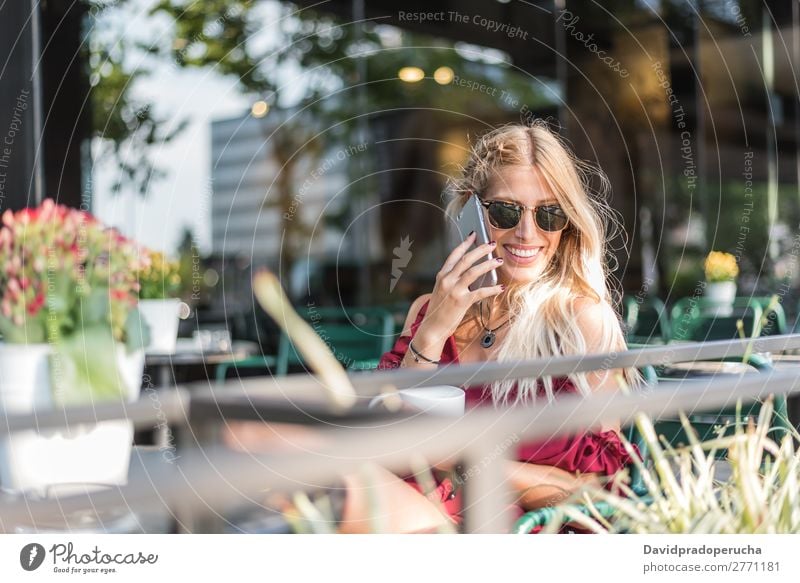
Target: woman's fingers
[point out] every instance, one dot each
(474, 272)
(451, 294)
(457, 253)
(486, 292)
(469, 259)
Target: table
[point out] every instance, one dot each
(705, 369)
(188, 353)
(149, 470)
(145, 461)
(787, 363)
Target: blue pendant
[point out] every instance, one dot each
(488, 339)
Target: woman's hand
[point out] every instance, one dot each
(538, 486)
(451, 297)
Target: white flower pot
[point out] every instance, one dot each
(720, 296)
(162, 317)
(90, 456)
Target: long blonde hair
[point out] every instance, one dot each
(543, 311)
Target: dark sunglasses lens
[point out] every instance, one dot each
(503, 215)
(551, 218)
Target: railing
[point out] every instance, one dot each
(208, 481)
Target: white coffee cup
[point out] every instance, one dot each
(443, 400)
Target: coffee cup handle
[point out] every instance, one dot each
(375, 401)
(380, 399)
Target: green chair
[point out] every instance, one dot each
(699, 320)
(646, 321)
(399, 312)
(265, 362)
(706, 425)
(776, 318)
(796, 325)
(357, 337)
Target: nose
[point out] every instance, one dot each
(527, 227)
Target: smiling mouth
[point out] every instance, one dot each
(523, 253)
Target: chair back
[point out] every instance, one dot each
(399, 311)
(699, 319)
(357, 337)
(775, 322)
(646, 320)
(708, 424)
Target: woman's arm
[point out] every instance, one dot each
(538, 485)
(432, 346)
(589, 316)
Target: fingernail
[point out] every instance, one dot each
(499, 259)
(471, 233)
(492, 243)
(502, 287)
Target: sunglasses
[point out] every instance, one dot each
(507, 215)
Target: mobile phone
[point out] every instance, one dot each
(471, 218)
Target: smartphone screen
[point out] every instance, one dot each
(471, 218)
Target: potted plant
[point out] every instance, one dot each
(159, 305)
(70, 336)
(721, 272)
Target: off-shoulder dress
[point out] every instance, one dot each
(588, 452)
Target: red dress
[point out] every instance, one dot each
(590, 452)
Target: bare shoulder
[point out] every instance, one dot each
(590, 316)
(585, 306)
(413, 311)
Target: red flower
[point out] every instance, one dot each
(36, 304)
(53, 237)
(119, 294)
(28, 215)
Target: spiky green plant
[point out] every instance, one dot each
(758, 326)
(761, 496)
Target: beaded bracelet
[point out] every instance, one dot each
(417, 355)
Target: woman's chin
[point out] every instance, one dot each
(520, 274)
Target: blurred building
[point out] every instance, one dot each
(279, 203)
(247, 217)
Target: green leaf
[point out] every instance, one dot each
(32, 331)
(94, 309)
(84, 368)
(61, 292)
(137, 332)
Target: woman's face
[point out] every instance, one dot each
(525, 249)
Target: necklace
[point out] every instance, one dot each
(487, 340)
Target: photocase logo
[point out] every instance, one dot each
(402, 255)
(31, 556)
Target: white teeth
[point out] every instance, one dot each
(524, 253)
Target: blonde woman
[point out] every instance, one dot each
(552, 299)
(548, 235)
